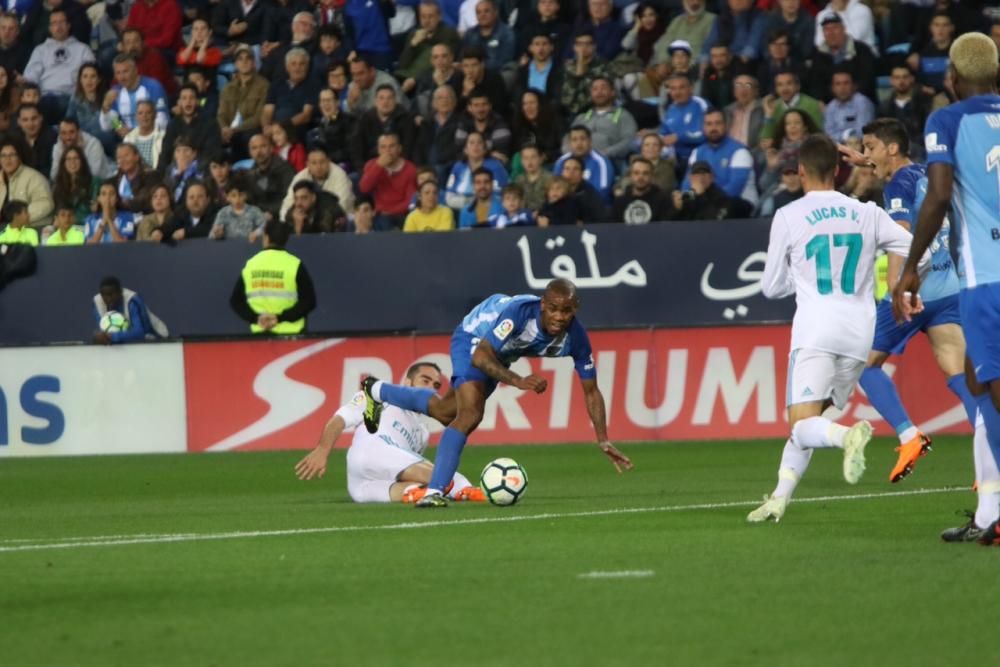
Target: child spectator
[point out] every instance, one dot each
(15, 216)
(559, 208)
(514, 214)
(66, 232)
(286, 148)
(238, 219)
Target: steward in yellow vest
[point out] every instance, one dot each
(274, 292)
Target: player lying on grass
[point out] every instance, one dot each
(497, 332)
(822, 249)
(887, 149)
(388, 465)
(963, 152)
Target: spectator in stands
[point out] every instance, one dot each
(648, 28)
(475, 76)
(314, 211)
(480, 117)
(415, 59)
(664, 174)
(73, 184)
(326, 177)
(16, 218)
(743, 28)
(716, 85)
(119, 104)
(590, 203)
(151, 226)
(779, 59)
(544, 19)
(199, 52)
(146, 136)
(70, 134)
(198, 127)
(334, 130)
(534, 179)
(160, 23)
(787, 96)
(542, 72)
(241, 103)
(848, 111)
(365, 81)
(257, 302)
(331, 49)
(133, 182)
(683, 121)
(220, 171)
(787, 191)
(370, 24)
(85, 106)
(579, 73)
(909, 105)
(66, 233)
(797, 26)
(149, 61)
(141, 322)
(303, 36)
(37, 24)
(429, 215)
(234, 21)
(856, 17)
(931, 62)
(196, 218)
(292, 98)
(731, 163)
(838, 50)
(680, 54)
(54, 65)
(796, 125)
(599, 171)
(642, 201)
(364, 215)
(9, 98)
(559, 208)
(536, 122)
(391, 180)
(291, 151)
(270, 177)
(612, 127)
(605, 28)
(39, 139)
(692, 26)
(443, 72)
(30, 93)
(485, 201)
(109, 224)
(387, 115)
(15, 48)
(183, 169)
(745, 116)
(514, 213)
(706, 200)
(461, 182)
(435, 145)
(493, 36)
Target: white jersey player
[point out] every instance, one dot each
(388, 465)
(822, 249)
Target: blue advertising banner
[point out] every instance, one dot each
(667, 275)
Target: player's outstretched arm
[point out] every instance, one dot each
(314, 464)
(598, 416)
(485, 359)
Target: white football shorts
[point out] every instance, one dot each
(814, 375)
(372, 468)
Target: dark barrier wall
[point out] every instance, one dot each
(675, 274)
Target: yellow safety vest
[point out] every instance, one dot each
(881, 276)
(25, 235)
(73, 237)
(269, 280)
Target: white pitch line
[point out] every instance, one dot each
(620, 574)
(120, 540)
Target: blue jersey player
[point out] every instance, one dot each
(963, 157)
(887, 147)
(495, 334)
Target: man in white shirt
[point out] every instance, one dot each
(388, 465)
(822, 249)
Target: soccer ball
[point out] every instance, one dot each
(113, 322)
(503, 481)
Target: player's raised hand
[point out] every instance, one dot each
(905, 298)
(312, 466)
(853, 157)
(533, 383)
(618, 460)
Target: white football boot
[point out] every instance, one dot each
(772, 510)
(854, 451)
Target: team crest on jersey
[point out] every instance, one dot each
(896, 203)
(502, 330)
(932, 145)
(359, 399)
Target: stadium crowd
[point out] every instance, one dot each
(165, 120)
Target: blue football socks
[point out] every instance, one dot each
(884, 397)
(449, 451)
(409, 398)
(958, 387)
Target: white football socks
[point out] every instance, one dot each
(818, 433)
(988, 476)
(377, 390)
(460, 482)
(908, 434)
(794, 461)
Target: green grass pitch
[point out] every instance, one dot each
(844, 581)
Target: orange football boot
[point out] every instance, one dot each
(472, 494)
(908, 455)
(415, 492)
